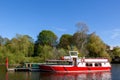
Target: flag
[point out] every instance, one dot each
(6, 62)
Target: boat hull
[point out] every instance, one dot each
(51, 68)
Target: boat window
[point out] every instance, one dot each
(89, 64)
(70, 63)
(73, 53)
(97, 64)
(104, 63)
(59, 62)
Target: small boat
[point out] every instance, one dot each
(33, 67)
(73, 63)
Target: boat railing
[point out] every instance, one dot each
(93, 58)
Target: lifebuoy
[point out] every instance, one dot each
(82, 60)
(62, 58)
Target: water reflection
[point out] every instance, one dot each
(22, 76)
(76, 76)
(57, 76)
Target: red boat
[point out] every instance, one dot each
(72, 63)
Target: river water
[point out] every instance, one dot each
(114, 74)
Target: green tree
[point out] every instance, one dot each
(116, 51)
(46, 52)
(26, 45)
(21, 44)
(1, 40)
(19, 48)
(38, 50)
(46, 37)
(96, 47)
(65, 41)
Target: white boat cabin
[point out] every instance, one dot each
(86, 62)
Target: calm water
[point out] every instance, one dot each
(113, 75)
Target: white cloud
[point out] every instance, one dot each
(111, 37)
(60, 29)
(115, 34)
(51, 27)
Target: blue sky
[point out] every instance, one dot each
(60, 16)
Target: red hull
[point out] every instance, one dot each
(72, 68)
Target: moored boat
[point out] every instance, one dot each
(73, 63)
